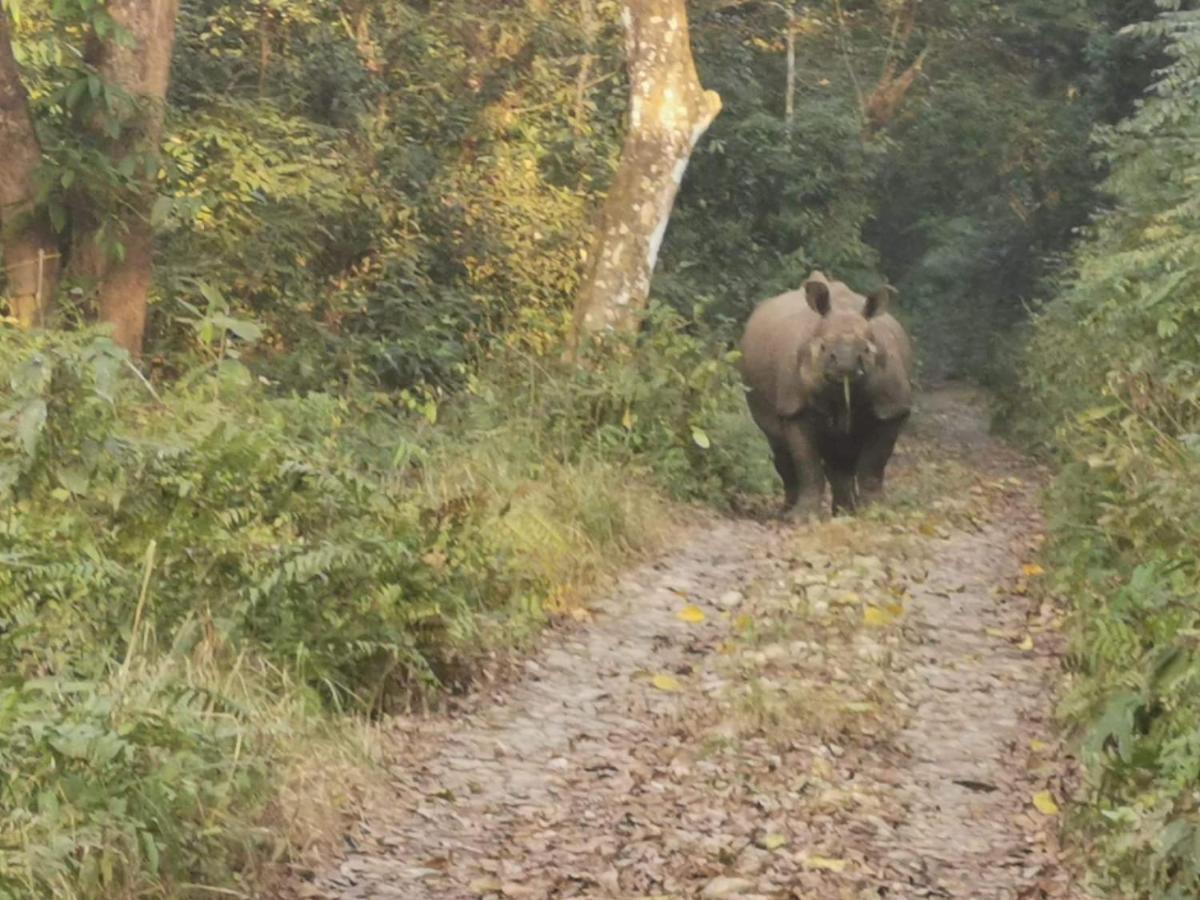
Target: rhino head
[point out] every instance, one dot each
(842, 350)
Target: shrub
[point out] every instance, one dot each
(174, 561)
(1111, 377)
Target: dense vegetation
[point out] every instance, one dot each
(350, 462)
(1114, 363)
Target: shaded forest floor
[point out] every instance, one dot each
(858, 709)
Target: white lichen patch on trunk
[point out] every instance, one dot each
(669, 111)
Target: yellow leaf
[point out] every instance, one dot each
(665, 682)
(1032, 570)
(821, 768)
(824, 862)
(1026, 644)
(773, 841)
(1043, 801)
(996, 633)
(876, 617)
(690, 613)
(628, 419)
(1037, 746)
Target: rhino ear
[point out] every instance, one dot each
(879, 301)
(817, 293)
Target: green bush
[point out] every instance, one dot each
(1111, 378)
(132, 785)
(323, 547)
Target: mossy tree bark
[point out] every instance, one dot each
(140, 67)
(669, 110)
(30, 257)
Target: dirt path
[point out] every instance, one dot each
(859, 709)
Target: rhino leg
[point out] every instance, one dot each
(876, 451)
(810, 475)
(787, 472)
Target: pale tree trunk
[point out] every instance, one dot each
(669, 111)
(141, 68)
(30, 259)
(881, 107)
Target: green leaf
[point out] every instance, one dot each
(30, 424)
(150, 848)
(211, 294)
(74, 479)
(700, 438)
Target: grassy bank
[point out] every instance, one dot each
(1111, 390)
(206, 585)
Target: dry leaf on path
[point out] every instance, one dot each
(1043, 801)
(825, 863)
(773, 842)
(665, 682)
(690, 613)
(876, 617)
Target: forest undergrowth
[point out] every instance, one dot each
(245, 564)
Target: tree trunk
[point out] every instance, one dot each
(141, 70)
(30, 258)
(669, 111)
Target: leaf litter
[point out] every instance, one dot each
(856, 715)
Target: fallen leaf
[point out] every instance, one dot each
(821, 768)
(970, 784)
(665, 682)
(1026, 644)
(1038, 746)
(1043, 801)
(877, 617)
(773, 841)
(700, 439)
(1032, 570)
(690, 613)
(727, 887)
(825, 863)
